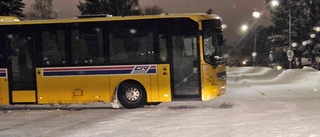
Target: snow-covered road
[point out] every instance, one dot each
(260, 102)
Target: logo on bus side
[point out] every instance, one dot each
(140, 70)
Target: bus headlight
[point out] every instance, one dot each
(222, 90)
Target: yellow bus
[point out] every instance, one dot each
(133, 60)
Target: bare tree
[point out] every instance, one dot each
(11, 7)
(154, 10)
(41, 9)
(113, 7)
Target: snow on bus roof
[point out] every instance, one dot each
(9, 19)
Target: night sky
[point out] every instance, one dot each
(234, 13)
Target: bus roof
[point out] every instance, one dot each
(194, 16)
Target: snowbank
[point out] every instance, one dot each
(240, 76)
(244, 76)
(292, 83)
(306, 76)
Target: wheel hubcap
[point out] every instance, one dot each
(133, 94)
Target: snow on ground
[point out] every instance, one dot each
(279, 102)
(259, 102)
(300, 81)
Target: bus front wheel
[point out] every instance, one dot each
(131, 95)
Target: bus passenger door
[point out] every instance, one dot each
(21, 69)
(185, 74)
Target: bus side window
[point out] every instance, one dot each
(190, 46)
(87, 47)
(2, 51)
(163, 48)
(117, 53)
(146, 50)
(130, 48)
(53, 51)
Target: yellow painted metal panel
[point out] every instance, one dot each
(160, 85)
(24, 96)
(85, 88)
(210, 84)
(4, 91)
(152, 95)
(222, 82)
(164, 83)
(72, 89)
(209, 91)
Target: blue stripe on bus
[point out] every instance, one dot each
(3, 74)
(152, 71)
(96, 72)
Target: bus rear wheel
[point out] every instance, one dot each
(131, 95)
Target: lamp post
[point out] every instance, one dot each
(244, 28)
(255, 14)
(254, 53)
(290, 54)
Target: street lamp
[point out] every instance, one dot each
(244, 28)
(274, 3)
(256, 14)
(312, 35)
(289, 52)
(317, 29)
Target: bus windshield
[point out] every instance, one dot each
(211, 40)
(209, 49)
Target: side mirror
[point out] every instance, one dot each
(218, 60)
(220, 39)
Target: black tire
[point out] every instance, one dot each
(131, 95)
